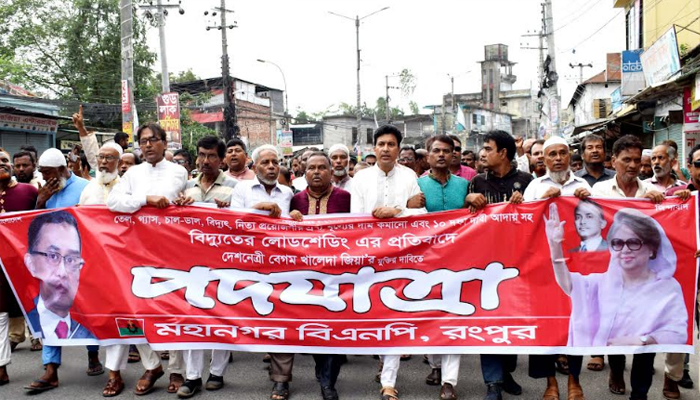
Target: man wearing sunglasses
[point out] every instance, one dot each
(53, 257)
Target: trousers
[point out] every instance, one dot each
(52, 354)
(195, 363)
(675, 362)
(641, 374)
(543, 366)
(328, 368)
(117, 356)
(495, 366)
(5, 353)
(281, 365)
(449, 365)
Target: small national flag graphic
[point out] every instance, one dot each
(129, 326)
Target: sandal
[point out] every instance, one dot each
(434, 378)
(405, 357)
(562, 364)
(36, 345)
(134, 355)
(280, 391)
(41, 385)
(596, 364)
(448, 392)
(148, 380)
(114, 387)
(95, 368)
(165, 356)
(176, 380)
(389, 393)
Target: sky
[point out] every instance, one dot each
(433, 39)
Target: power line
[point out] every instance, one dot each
(593, 34)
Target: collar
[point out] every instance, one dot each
(593, 243)
(258, 183)
(655, 181)
(159, 164)
(640, 184)
(384, 174)
(570, 179)
(218, 181)
(449, 176)
(48, 320)
(70, 180)
(326, 194)
(238, 175)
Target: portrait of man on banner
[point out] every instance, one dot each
(54, 258)
(637, 301)
(590, 222)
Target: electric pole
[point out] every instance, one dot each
(129, 115)
(552, 76)
(388, 107)
(158, 20)
(580, 66)
(357, 20)
(230, 123)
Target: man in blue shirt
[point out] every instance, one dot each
(443, 191)
(62, 188)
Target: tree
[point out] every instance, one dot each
(302, 117)
(407, 82)
(414, 107)
(380, 110)
(71, 49)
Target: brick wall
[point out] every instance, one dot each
(254, 123)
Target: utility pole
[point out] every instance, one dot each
(158, 20)
(388, 107)
(230, 122)
(580, 66)
(552, 77)
(357, 20)
(129, 116)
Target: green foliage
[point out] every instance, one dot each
(684, 49)
(192, 131)
(71, 49)
(380, 110)
(414, 107)
(302, 117)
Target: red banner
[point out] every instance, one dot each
(452, 282)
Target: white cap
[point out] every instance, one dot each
(113, 146)
(646, 152)
(554, 140)
(52, 158)
(337, 147)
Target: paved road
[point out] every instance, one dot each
(246, 378)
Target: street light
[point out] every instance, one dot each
(357, 20)
(284, 80)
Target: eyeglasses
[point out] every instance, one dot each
(152, 140)
(179, 161)
(458, 149)
(72, 263)
(696, 163)
(108, 158)
(632, 244)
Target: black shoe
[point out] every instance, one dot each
(214, 382)
(329, 393)
(493, 392)
(189, 388)
(686, 382)
(510, 386)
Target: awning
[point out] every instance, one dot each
(667, 88)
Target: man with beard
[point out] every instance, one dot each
(559, 180)
(25, 166)
(662, 159)
(593, 171)
(320, 197)
(537, 159)
(237, 161)
(14, 196)
(155, 183)
(62, 188)
(264, 191)
(128, 160)
(340, 159)
(106, 177)
(647, 170)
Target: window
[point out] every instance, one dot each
(370, 136)
(354, 135)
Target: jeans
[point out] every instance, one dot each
(495, 366)
(641, 374)
(328, 368)
(52, 354)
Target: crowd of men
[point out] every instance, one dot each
(394, 181)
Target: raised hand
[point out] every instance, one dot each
(554, 228)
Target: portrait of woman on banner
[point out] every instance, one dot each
(637, 301)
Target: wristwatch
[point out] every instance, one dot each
(644, 339)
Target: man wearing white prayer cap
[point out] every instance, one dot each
(106, 176)
(559, 180)
(340, 163)
(62, 188)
